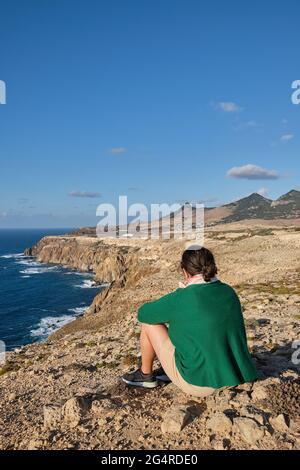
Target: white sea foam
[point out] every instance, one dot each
(13, 255)
(105, 284)
(28, 262)
(88, 284)
(39, 270)
(49, 325)
(77, 273)
(78, 310)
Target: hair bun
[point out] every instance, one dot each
(199, 260)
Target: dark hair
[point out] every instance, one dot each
(199, 261)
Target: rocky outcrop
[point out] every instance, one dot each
(108, 262)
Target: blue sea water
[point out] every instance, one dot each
(37, 299)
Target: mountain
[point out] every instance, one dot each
(251, 207)
(256, 206)
(288, 204)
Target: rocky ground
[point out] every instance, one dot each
(66, 392)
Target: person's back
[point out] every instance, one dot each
(207, 329)
(204, 346)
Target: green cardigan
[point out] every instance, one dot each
(206, 326)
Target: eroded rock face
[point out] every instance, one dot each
(108, 262)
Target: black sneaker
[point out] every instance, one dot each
(161, 375)
(139, 379)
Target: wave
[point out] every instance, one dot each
(40, 270)
(28, 263)
(78, 273)
(78, 310)
(35, 267)
(14, 255)
(49, 325)
(88, 284)
(105, 284)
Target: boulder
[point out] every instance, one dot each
(175, 419)
(249, 430)
(219, 423)
(259, 393)
(73, 411)
(279, 423)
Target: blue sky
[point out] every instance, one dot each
(155, 99)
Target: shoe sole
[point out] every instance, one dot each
(163, 378)
(141, 384)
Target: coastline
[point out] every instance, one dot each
(48, 297)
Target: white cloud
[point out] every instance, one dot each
(86, 194)
(228, 107)
(252, 172)
(263, 191)
(117, 150)
(287, 137)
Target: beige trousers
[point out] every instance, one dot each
(166, 356)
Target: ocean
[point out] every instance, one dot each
(37, 299)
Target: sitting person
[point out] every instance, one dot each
(204, 346)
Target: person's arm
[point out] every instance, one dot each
(158, 311)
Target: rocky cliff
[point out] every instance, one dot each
(109, 263)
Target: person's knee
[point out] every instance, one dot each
(154, 331)
(147, 326)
